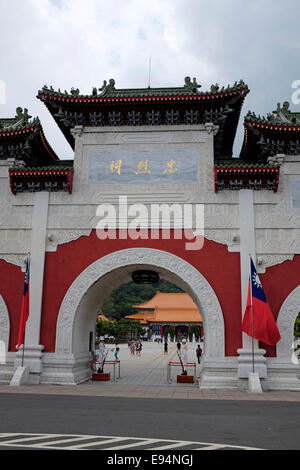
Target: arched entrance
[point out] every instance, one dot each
(283, 374)
(286, 321)
(78, 310)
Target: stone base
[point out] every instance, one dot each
(254, 385)
(32, 360)
(7, 367)
(283, 375)
(219, 374)
(21, 377)
(245, 361)
(243, 385)
(66, 369)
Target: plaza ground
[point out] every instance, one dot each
(145, 376)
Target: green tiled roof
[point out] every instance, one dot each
(19, 122)
(282, 116)
(59, 166)
(108, 90)
(239, 163)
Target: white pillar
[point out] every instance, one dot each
(37, 260)
(33, 349)
(247, 246)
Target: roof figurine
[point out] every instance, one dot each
(106, 89)
(34, 166)
(191, 86)
(22, 139)
(265, 137)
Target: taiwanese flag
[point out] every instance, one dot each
(25, 306)
(264, 325)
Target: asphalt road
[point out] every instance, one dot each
(264, 425)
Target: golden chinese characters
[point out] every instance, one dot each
(143, 167)
(170, 167)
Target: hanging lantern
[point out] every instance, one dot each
(145, 277)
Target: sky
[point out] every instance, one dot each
(76, 43)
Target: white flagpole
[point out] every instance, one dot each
(27, 265)
(149, 72)
(252, 320)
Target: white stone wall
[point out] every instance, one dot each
(276, 221)
(271, 233)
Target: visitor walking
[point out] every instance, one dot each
(199, 353)
(166, 347)
(178, 346)
(132, 347)
(117, 352)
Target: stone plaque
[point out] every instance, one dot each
(143, 167)
(296, 193)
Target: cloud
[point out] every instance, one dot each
(70, 43)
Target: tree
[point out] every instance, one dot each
(196, 330)
(128, 328)
(105, 328)
(169, 330)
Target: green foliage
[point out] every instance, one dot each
(194, 329)
(119, 303)
(122, 329)
(168, 329)
(297, 326)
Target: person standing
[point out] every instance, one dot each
(178, 346)
(117, 352)
(184, 352)
(101, 354)
(199, 353)
(166, 347)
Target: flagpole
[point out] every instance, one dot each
(23, 351)
(252, 319)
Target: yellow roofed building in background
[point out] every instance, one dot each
(168, 309)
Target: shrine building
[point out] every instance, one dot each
(175, 309)
(139, 154)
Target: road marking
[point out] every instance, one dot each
(97, 442)
(136, 444)
(51, 441)
(215, 447)
(29, 439)
(173, 445)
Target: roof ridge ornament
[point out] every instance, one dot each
(22, 116)
(191, 85)
(107, 88)
(75, 92)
